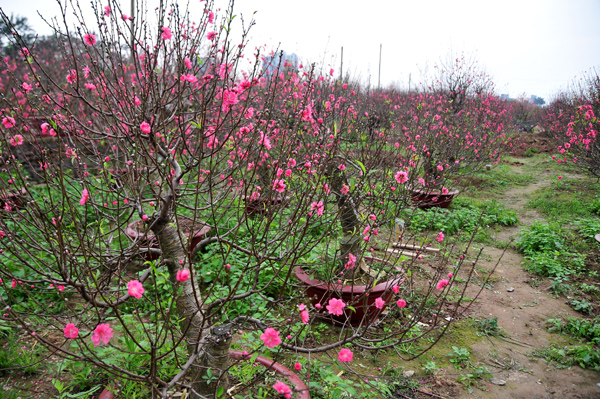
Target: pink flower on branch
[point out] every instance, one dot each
(135, 289)
(183, 275)
(270, 338)
(84, 197)
(336, 307)
(17, 140)
(441, 284)
(283, 389)
(71, 332)
(103, 333)
(401, 177)
(379, 303)
(8, 122)
(345, 355)
(145, 127)
(318, 206)
(440, 237)
(166, 33)
(401, 303)
(279, 185)
(89, 39)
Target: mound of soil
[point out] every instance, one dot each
(537, 142)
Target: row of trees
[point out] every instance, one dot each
(159, 197)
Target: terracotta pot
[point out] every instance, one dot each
(360, 297)
(263, 206)
(135, 230)
(299, 386)
(426, 199)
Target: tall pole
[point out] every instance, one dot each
(342, 65)
(132, 32)
(379, 78)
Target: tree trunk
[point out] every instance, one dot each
(192, 319)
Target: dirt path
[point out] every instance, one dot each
(522, 314)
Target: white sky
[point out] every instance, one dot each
(528, 46)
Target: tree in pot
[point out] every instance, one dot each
(179, 104)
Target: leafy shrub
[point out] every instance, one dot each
(579, 328)
(588, 227)
(462, 215)
(540, 237)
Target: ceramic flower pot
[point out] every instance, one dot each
(427, 199)
(361, 297)
(300, 389)
(195, 234)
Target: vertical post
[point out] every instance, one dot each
(132, 31)
(409, 76)
(342, 65)
(379, 78)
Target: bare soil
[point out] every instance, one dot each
(522, 315)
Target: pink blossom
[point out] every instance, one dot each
(145, 126)
(291, 163)
(279, 185)
(188, 63)
(270, 338)
(211, 17)
(17, 140)
(211, 36)
(89, 39)
(8, 122)
(402, 177)
(282, 388)
(229, 98)
(372, 217)
(84, 197)
(166, 33)
(345, 355)
(345, 189)
(441, 284)
(401, 303)
(336, 307)
(2, 234)
(298, 366)
(366, 230)
(421, 181)
(183, 275)
(351, 261)
(444, 190)
(304, 316)
(559, 177)
(379, 303)
(318, 206)
(26, 86)
(107, 11)
(342, 167)
(450, 275)
(90, 86)
(135, 289)
(44, 127)
(440, 237)
(440, 168)
(396, 289)
(71, 331)
(103, 333)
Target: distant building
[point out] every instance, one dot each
(280, 60)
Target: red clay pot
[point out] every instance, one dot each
(426, 199)
(135, 231)
(360, 297)
(299, 386)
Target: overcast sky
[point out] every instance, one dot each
(528, 46)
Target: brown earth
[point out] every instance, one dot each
(522, 315)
